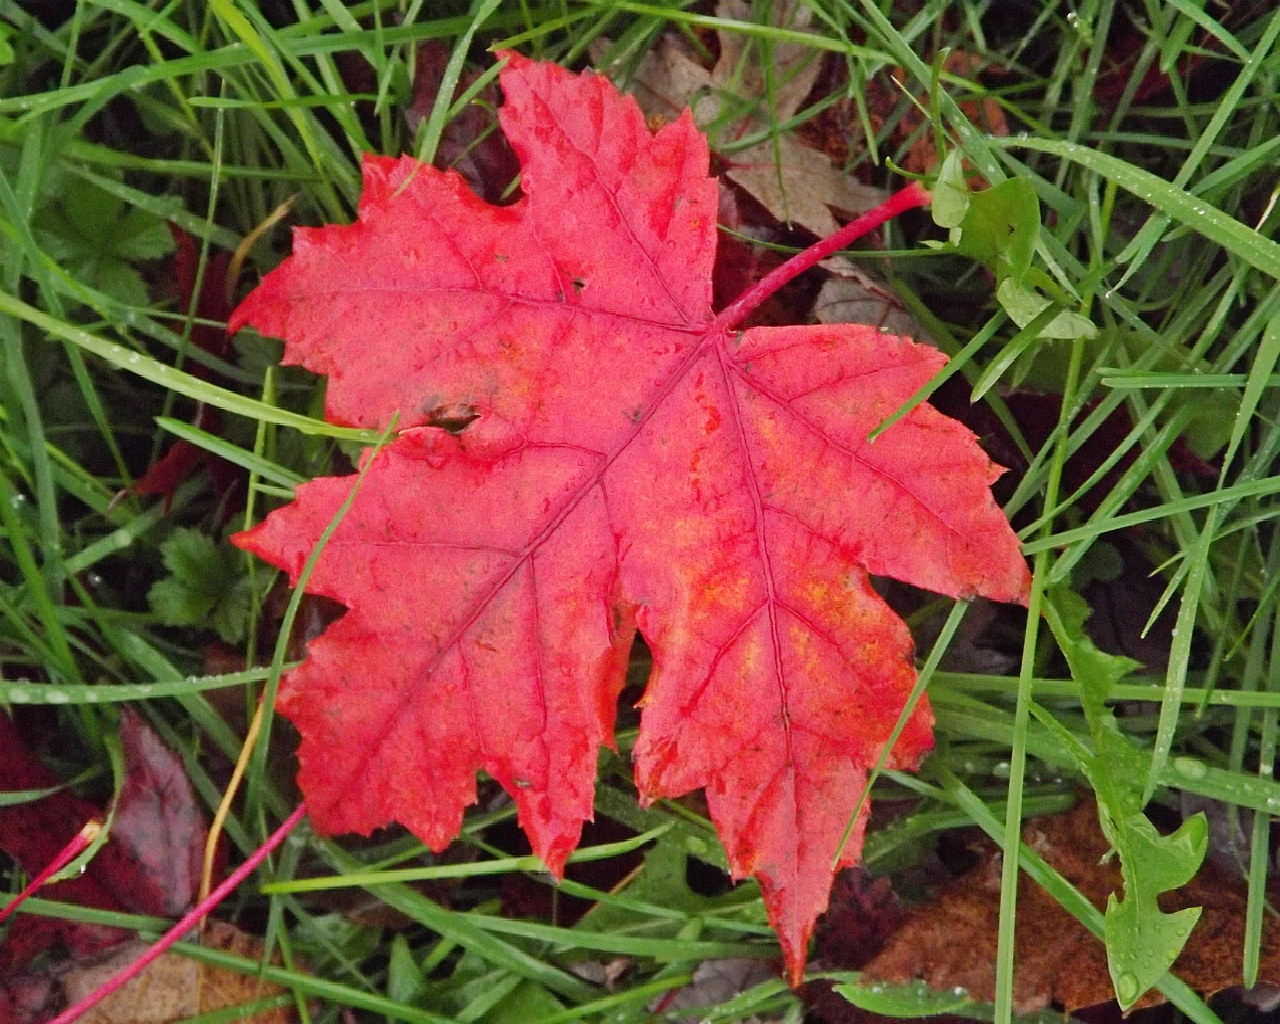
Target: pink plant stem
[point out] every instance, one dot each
(73, 849)
(189, 921)
(909, 198)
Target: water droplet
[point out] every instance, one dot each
(53, 696)
(19, 695)
(958, 991)
(1190, 767)
(1127, 988)
(1001, 770)
(134, 358)
(1273, 803)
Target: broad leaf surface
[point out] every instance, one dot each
(628, 461)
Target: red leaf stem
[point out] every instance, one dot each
(189, 921)
(904, 199)
(79, 842)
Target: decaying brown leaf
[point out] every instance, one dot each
(796, 183)
(951, 941)
(174, 987)
(853, 296)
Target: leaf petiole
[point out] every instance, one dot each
(909, 198)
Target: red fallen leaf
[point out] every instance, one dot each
(182, 458)
(150, 865)
(628, 459)
(214, 302)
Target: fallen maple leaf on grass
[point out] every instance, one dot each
(621, 457)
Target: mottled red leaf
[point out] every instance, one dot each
(628, 460)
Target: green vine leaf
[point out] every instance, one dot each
(1142, 941)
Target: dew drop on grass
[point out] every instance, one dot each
(52, 696)
(19, 695)
(1190, 767)
(1127, 987)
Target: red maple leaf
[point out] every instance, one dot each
(629, 460)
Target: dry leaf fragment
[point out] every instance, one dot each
(172, 988)
(852, 296)
(951, 941)
(796, 183)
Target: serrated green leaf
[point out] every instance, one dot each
(94, 234)
(206, 586)
(139, 235)
(1142, 941)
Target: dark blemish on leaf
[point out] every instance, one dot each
(452, 419)
(522, 783)
(560, 295)
(579, 283)
(500, 258)
(634, 414)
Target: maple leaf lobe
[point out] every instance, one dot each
(630, 464)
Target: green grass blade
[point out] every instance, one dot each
(1235, 237)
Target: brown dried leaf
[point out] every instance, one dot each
(172, 988)
(951, 941)
(852, 296)
(796, 183)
